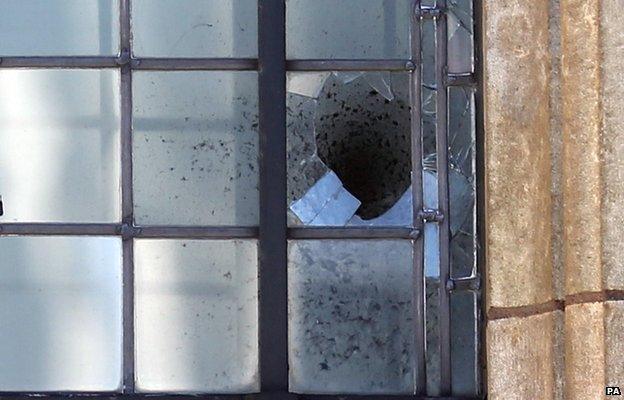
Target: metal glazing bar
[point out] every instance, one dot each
(444, 321)
(461, 80)
(59, 62)
(352, 233)
(129, 231)
(190, 232)
(54, 229)
(157, 64)
(350, 65)
(272, 262)
(468, 80)
(417, 196)
(470, 283)
(202, 232)
(200, 64)
(431, 12)
(127, 207)
(195, 64)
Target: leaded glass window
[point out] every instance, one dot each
(239, 197)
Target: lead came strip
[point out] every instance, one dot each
(417, 195)
(444, 319)
(127, 205)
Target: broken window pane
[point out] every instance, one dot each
(195, 28)
(461, 142)
(429, 112)
(348, 29)
(60, 307)
(59, 145)
(462, 188)
(59, 27)
(429, 95)
(349, 148)
(196, 316)
(351, 325)
(460, 33)
(195, 148)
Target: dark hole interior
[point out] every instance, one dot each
(365, 139)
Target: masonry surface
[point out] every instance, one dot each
(554, 161)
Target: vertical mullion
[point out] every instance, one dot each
(443, 200)
(126, 198)
(273, 311)
(417, 196)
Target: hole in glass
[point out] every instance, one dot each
(349, 148)
(362, 134)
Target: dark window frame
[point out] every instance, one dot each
(273, 232)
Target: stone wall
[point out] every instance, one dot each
(554, 160)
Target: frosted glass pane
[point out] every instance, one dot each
(59, 27)
(195, 28)
(348, 28)
(464, 344)
(196, 316)
(59, 152)
(196, 148)
(60, 307)
(351, 317)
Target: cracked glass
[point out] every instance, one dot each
(349, 157)
(462, 187)
(354, 316)
(431, 231)
(465, 312)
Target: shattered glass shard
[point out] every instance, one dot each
(347, 76)
(326, 203)
(307, 84)
(399, 215)
(381, 83)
